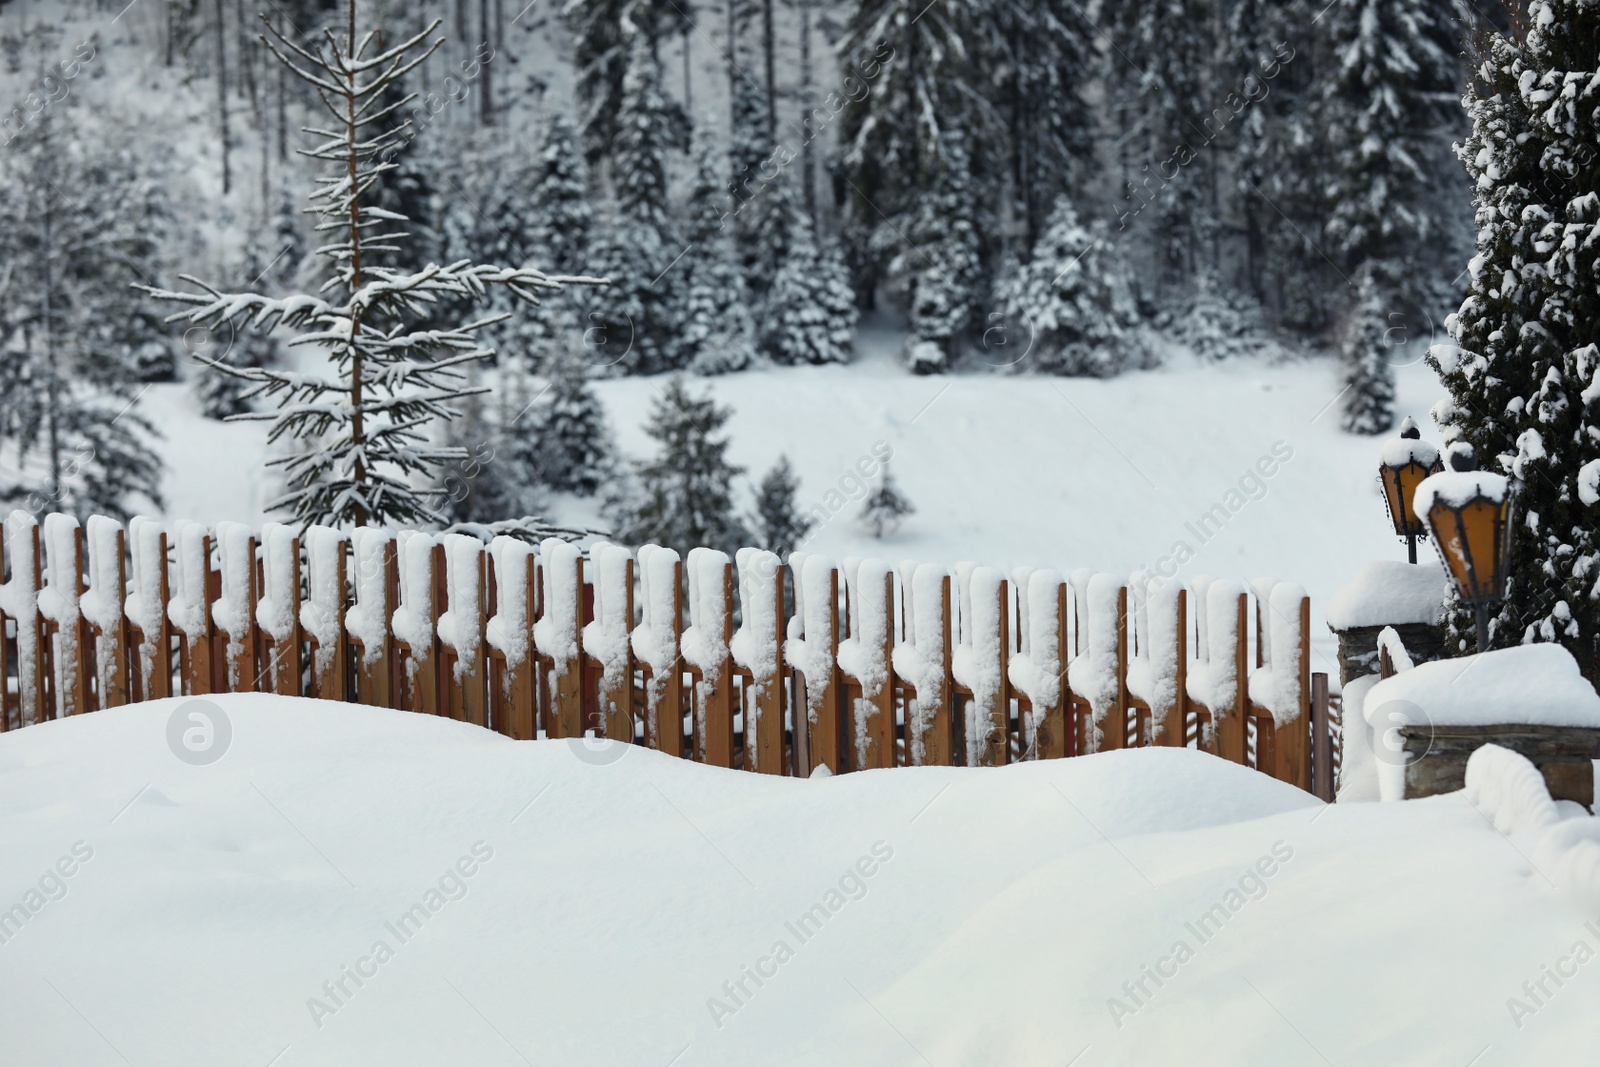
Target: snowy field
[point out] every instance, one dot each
(597, 905)
(1004, 470)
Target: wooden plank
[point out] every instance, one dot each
(939, 744)
(716, 697)
(1230, 725)
(113, 645)
(242, 672)
(196, 652)
(285, 652)
(514, 713)
(616, 694)
(1050, 723)
(31, 687)
(996, 751)
(1321, 739)
(471, 675)
(764, 697)
(1292, 753)
(825, 734)
(880, 723)
(375, 667)
(1172, 731)
(155, 654)
(664, 726)
(567, 702)
(329, 668)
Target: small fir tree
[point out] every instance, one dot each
(717, 328)
(1368, 376)
(885, 507)
(364, 427)
(810, 312)
(1074, 300)
(685, 500)
(779, 525)
(566, 428)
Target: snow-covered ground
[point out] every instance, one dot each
(596, 905)
(1004, 469)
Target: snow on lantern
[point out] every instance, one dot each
(1406, 461)
(1468, 512)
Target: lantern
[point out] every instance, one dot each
(1469, 514)
(1406, 461)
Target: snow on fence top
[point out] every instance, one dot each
(846, 667)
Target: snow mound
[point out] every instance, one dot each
(1530, 684)
(1509, 790)
(1386, 593)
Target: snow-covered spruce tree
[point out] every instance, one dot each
(885, 508)
(943, 264)
(921, 64)
(1368, 376)
(604, 34)
(73, 238)
(364, 426)
(684, 491)
(779, 526)
(1074, 301)
(1525, 382)
(1219, 322)
(565, 214)
(1392, 79)
(645, 302)
(718, 333)
(810, 313)
(1048, 48)
(566, 428)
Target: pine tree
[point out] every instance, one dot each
(810, 312)
(563, 198)
(72, 340)
(1392, 81)
(779, 525)
(364, 426)
(717, 329)
(1368, 376)
(639, 251)
(604, 35)
(1047, 48)
(1073, 302)
(885, 507)
(922, 63)
(567, 431)
(1524, 383)
(685, 499)
(944, 263)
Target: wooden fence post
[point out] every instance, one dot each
(60, 604)
(1292, 742)
(367, 621)
(322, 615)
(233, 613)
(510, 633)
(21, 605)
(190, 609)
(461, 627)
(1050, 721)
(559, 637)
(761, 630)
(278, 611)
(414, 622)
(147, 608)
(1174, 728)
(616, 687)
(102, 609)
(1321, 739)
(824, 733)
(1230, 722)
(711, 605)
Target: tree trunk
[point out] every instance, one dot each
(485, 98)
(808, 179)
(53, 384)
(357, 435)
(222, 93)
(768, 52)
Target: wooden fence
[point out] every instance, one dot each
(774, 667)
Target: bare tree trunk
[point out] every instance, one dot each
(808, 180)
(283, 106)
(768, 51)
(485, 103)
(357, 434)
(53, 386)
(688, 89)
(222, 93)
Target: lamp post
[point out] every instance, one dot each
(1469, 514)
(1406, 461)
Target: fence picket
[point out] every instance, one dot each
(367, 622)
(509, 632)
(758, 649)
(322, 615)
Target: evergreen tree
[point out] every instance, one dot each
(1074, 301)
(779, 525)
(923, 63)
(1047, 47)
(717, 328)
(364, 425)
(944, 263)
(605, 34)
(1392, 81)
(810, 313)
(562, 196)
(1368, 376)
(73, 343)
(566, 429)
(885, 508)
(645, 300)
(1524, 383)
(685, 499)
